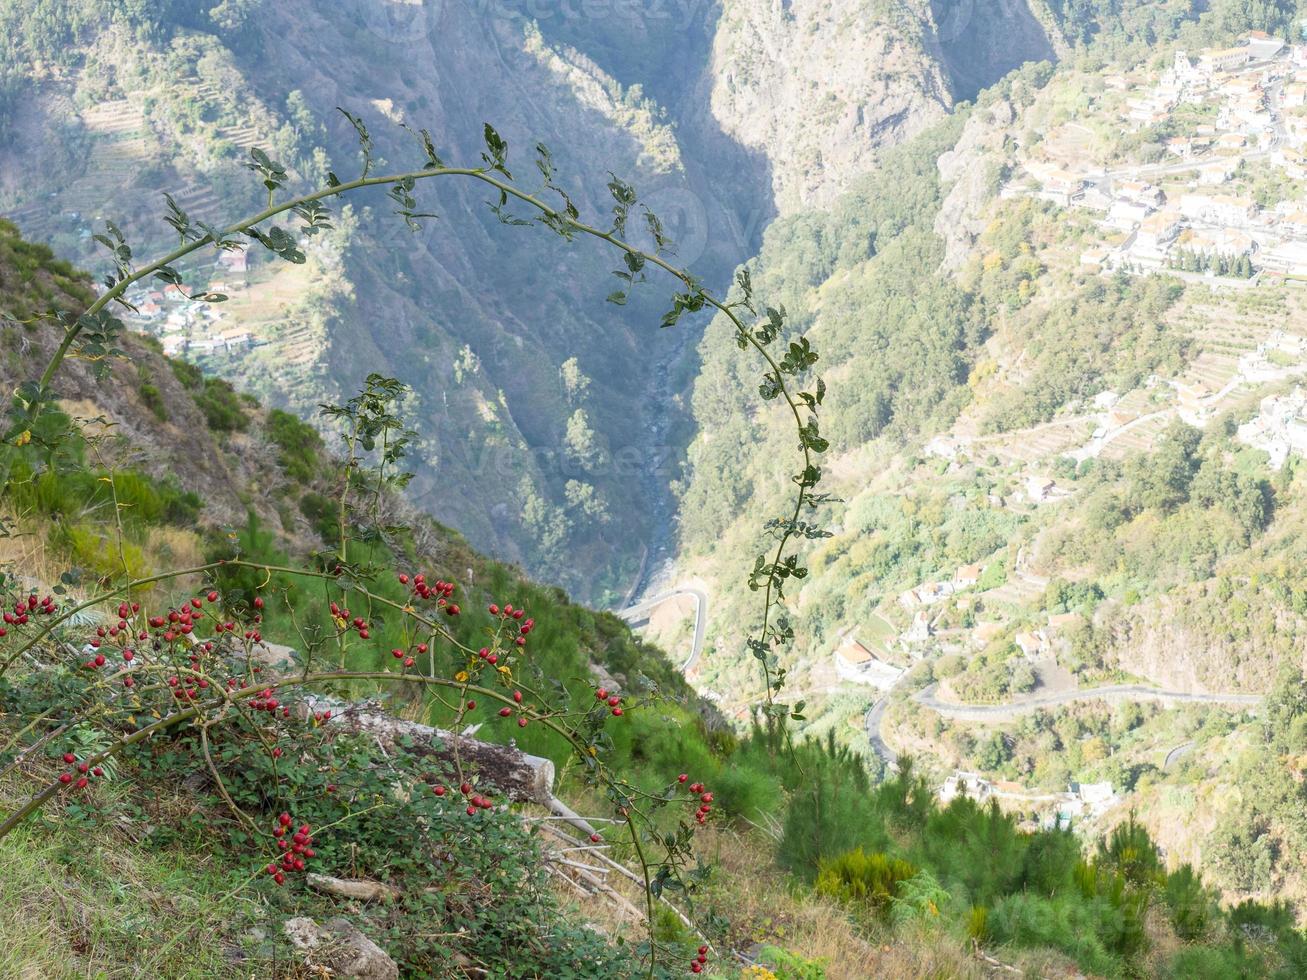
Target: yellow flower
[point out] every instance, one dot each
(24, 438)
(461, 676)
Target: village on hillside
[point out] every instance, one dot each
(191, 327)
(1217, 199)
(1222, 116)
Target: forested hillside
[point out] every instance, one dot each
(1045, 480)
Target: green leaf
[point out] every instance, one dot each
(272, 172)
(365, 138)
(178, 219)
(433, 159)
(496, 155)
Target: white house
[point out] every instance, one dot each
(1288, 257)
(1218, 241)
(967, 575)
(858, 665)
(1224, 59)
(1032, 644)
(1138, 191)
(1223, 209)
(971, 784)
(1126, 214)
(1279, 427)
(1216, 173)
(1093, 199)
(1158, 229)
(1040, 489)
(1293, 161)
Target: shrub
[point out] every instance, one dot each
(96, 553)
(153, 400)
(1031, 920)
(978, 924)
(1130, 852)
(828, 811)
(788, 966)
(1190, 903)
(322, 514)
(855, 876)
(299, 443)
(222, 406)
(75, 493)
(188, 374)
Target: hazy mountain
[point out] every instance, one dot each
(715, 113)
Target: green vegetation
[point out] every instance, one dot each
(32, 279)
(877, 849)
(1195, 520)
(299, 444)
(1128, 31)
(1108, 335)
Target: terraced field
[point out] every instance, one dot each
(121, 147)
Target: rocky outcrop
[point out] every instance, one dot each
(520, 777)
(339, 947)
(968, 171)
(819, 85)
(980, 41)
(356, 889)
(1190, 640)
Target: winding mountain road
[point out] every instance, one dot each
(1110, 692)
(875, 714)
(1176, 754)
(641, 611)
(1014, 709)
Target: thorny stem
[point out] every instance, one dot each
(648, 886)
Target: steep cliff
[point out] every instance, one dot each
(818, 86)
(547, 418)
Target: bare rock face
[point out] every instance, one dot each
(967, 167)
(818, 86)
(338, 946)
(980, 41)
(1178, 642)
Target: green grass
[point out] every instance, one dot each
(88, 900)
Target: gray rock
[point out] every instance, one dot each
(338, 946)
